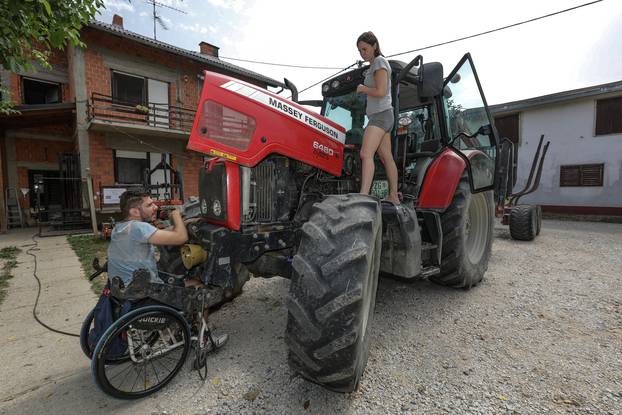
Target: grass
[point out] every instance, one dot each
(86, 248)
(8, 256)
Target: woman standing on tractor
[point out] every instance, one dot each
(377, 138)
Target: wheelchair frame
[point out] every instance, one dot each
(148, 333)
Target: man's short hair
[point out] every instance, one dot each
(131, 199)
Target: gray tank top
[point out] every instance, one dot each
(378, 104)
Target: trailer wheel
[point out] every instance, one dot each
(333, 291)
(467, 226)
(539, 216)
(524, 222)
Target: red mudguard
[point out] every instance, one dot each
(441, 181)
(244, 123)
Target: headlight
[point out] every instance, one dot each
(335, 84)
(216, 207)
(325, 88)
(204, 206)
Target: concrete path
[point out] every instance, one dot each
(34, 359)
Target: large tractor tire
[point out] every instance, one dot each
(524, 222)
(467, 226)
(333, 291)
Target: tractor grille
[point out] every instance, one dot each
(264, 191)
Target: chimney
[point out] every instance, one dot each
(117, 21)
(208, 49)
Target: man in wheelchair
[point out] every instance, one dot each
(133, 242)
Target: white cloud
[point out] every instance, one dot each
(530, 60)
(195, 28)
(144, 14)
(119, 5)
(235, 5)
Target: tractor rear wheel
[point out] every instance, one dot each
(524, 222)
(333, 291)
(467, 226)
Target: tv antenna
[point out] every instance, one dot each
(157, 18)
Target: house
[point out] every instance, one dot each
(582, 173)
(121, 105)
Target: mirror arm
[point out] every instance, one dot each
(417, 61)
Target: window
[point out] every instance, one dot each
(128, 89)
(130, 166)
(40, 92)
(582, 175)
(609, 116)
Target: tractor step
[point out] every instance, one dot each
(430, 271)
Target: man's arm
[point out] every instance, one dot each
(176, 236)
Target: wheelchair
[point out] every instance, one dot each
(155, 327)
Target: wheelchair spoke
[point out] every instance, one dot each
(158, 340)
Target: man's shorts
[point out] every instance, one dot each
(383, 120)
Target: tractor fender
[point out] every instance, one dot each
(441, 181)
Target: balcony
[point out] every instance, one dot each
(158, 120)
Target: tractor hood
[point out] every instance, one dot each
(243, 123)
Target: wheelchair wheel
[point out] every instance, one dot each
(87, 325)
(141, 352)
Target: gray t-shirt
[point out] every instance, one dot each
(130, 250)
(378, 104)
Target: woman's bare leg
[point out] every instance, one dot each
(371, 142)
(386, 156)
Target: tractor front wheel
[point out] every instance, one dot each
(467, 226)
(333, 291)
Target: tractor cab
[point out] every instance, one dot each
(433, 115)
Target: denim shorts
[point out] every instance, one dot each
(383, 119)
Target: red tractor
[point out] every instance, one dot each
(278, 197)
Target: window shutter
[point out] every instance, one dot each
(592, 175)
(609, 116)
(570, 176)
(585, 175)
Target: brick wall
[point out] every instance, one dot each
(45, 151)
(192, 164)
(101, 160)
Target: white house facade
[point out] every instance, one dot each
(582, 172)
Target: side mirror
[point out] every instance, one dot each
(432, 80)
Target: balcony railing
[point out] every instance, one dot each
(105, 107)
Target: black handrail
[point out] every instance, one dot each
(159, 115)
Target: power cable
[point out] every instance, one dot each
(471, 36)
(497, 29)
(279, 64)
(34, 308)
(325, 79)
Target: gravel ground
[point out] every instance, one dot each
(541, 334)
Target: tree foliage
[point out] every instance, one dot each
(30, 29)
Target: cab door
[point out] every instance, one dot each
(469, 127)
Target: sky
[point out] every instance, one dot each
(572, 50)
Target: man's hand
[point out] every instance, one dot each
(361, 89)
(176, 236)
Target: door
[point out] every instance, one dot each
(507, 126)
(157, 92)
(470, 129)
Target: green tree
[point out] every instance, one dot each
(30, 29)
